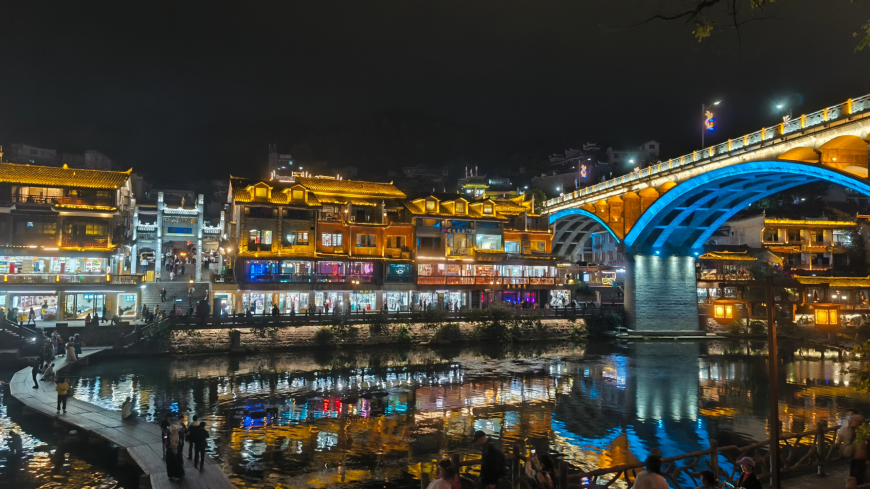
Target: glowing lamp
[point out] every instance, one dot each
(710, 121)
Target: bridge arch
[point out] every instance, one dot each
(573, 227)
(685, 217)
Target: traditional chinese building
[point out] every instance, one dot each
(64, 234)
(324, 244)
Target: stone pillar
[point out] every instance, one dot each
(199, 224)
(134, 260)
(158, 260)
(661, 295)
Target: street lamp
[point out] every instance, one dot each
(782, 106)
(706, 120)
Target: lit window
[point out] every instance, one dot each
(261, 192)
(539, 246)
(366, 241)
(395, 241)
(512, 246)
(330, 239)
(487, 209)
(430, 205)
(460, 207)
(302, 238)
(827, 317)
(487, 242)
(298, 195)
(723, 312)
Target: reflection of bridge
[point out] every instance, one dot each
(662, 215)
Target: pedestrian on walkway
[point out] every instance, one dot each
(33, 372)
(105, 313)
(182, 269)
(164, 431)
(62, 390)
(127, 408)
(163, 295)
(492, 466)
(174, 465)
(194, 425)
(48, 373)
(171, 275)
(40, 357)
(447, 480)
(200, 442)
(71, 351)
(748, 480)
(77, 342)
(651, 478)
(31, 316)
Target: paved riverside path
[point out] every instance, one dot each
(141, 440)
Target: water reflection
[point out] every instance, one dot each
(379, 416)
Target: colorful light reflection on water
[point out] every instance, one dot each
(378, 417)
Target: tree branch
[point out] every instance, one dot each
(691, 14)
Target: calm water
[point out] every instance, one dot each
(377, 417)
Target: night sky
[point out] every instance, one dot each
(201, 88)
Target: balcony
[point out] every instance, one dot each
(459, 252)
(85, 241)
(399, 279)
(365, 251)
(397, 253)
(40, 199)
(69, 278)
(311, 278)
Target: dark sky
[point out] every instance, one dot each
(204, 87)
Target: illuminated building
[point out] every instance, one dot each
(324, 244)
(65, 234)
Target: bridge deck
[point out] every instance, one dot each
(140, 439)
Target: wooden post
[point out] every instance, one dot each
(515, 467)
(454, 461)
(563, 475)
(820, 445)
(773, 378)
(851, 483)
(424, 478)
(714, 457)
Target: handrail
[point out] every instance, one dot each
(819, 118)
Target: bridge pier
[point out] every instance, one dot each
(661, 295)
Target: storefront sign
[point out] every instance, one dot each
(457, 230)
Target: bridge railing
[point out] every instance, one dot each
(819, 118)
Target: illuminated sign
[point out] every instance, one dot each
(710, 121)
(583, 173)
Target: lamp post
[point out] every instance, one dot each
(704, 120)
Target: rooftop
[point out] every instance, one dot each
(727, 256)
(835, 281)
(62, 176)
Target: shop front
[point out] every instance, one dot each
(227, 302)
(54, 265)
(451, 300)
(396, 301)
(329, 302)
(525, 299)
(293, 302)
(44, 305)
(363, 301)
(560, 298)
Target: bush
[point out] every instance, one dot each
(430, 319)
(403, 335)
(324, 336)
(757, 327)
(599, 324)
(585, 290)
(379, 326)
(736, 327)
(448, 332)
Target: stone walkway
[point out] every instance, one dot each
(835, 479)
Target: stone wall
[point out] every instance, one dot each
(212, 340)
(661, 294)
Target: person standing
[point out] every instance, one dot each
(62, 389)
(71, 351)
(105, 311)
(31, 316)
(174, 465)
(163, 294)
(748, 480)
(164, 432)
(34, 372)
(200, 440)
(446, 480)
(77, 342)
(492, 466)
(190, 430)
(171, 275)
(127, 408)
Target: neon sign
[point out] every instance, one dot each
(710, 121)
(582, 171)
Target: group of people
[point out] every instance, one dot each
(852, 446)
(175, 433)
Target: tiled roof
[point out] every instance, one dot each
(727, 256)
(419, 210)
(350, 188)
(62, 176)
(835, 281)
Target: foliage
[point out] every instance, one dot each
(262, 328)
(159, 333)
(430, 319)
(448, 332)
(570, 316)
(865, 41)
(378, 326)
(736, 326)
(760, 269)
(579, 332)
(584, 289)
(859, 374)
(403, 335)
(324, 336)
(540, 197)
(857, 254)
(757, 327)
(597, 325)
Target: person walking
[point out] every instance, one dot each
(104, 314)
(77, 342)
(163, 294)
(200, 440)
(852, 449)
(174, 465)
(164, 432)
(748, 480)
(31, 316)
(190, 430)
(182, 269)
(171, 275)
(62, 389)
(34, 372)
(651, 478)
(71, 351)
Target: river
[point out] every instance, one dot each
(377, 417)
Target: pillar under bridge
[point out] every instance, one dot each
(661, 295)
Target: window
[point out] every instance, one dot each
(770, 235)
(652, 146)
(424, 270)
(93, 229)
(512, 246)
(35, 227)
(297, 214)
(103, 194)
(794, 235)
(260, 237)
(487, 209)
(297, 238)
(488, 242)
(330, 239)
(430, 205)
(539, 246)
(428, 242)
(723, 312)
(395, 241)
(298, 195)
(460, 207)
(366, 241)
(261, 192)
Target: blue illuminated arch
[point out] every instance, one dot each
(582, 213)
(700, 205)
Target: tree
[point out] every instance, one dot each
(711, 16)
(540, 197)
